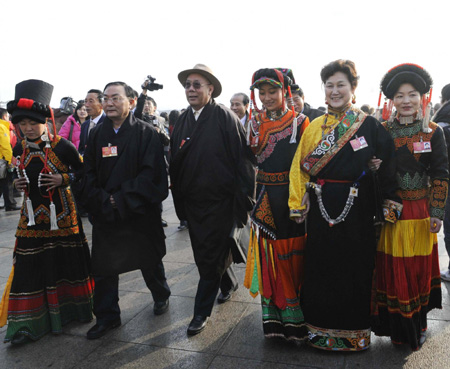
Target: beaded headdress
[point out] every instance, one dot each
(407, 73)
(266, 75)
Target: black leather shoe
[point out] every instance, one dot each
(225, 297)
(20, 339)
(163, 223)
(197, 324)
(161, 307)
(13, 208)
(98, 331)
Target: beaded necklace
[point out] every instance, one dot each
(21, 173)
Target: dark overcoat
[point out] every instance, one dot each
(212, 182)
(129, 236)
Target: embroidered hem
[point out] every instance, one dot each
(339, 339)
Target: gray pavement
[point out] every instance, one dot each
(233, 338)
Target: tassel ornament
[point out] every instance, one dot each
(30, 212)
(294, 130)
(53, 223)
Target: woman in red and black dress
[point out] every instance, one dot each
(275, 262)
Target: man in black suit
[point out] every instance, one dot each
(93, 103)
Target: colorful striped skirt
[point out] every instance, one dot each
(275, 271)
(408, 283)
(51, 286)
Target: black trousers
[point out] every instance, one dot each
(106, 293)
(6, 190)
(207, 291)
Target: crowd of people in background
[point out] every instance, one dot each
(330, 197)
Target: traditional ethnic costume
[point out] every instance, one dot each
(275, 255)
(212, 177)
(332, 163)
(50, 284)
(408, 278)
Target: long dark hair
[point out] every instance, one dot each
(79, 106)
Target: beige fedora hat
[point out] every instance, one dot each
(205, 72)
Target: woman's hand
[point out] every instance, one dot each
(21, 184)
(305, 202)
(435, 225)
(51, 180)
(374, 164)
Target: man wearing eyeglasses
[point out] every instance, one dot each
(213, 179)
(126, 180)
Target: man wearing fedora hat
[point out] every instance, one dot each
(213, 181)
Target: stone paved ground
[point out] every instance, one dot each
(233, 338)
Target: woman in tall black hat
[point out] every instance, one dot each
(275, 262)
(408, 277)
(50, 282)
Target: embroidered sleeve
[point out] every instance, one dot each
(438, 173)
(297, 184)
(438, 197)
(68, 178)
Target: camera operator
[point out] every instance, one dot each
(145, 110)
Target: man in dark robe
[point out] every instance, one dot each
(126, 180)
(213, 179)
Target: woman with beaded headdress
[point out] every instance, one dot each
(275, 256)
(50, 282)
(332, 185)
(408, 277)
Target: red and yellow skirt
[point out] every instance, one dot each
(275, 271)
(408, 283)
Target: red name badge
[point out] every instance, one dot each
(109, 151)
(358, 143)
(421, 147)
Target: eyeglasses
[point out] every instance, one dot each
(114, 99)
(196, 85)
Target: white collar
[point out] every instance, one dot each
(96, 119)
(197, 111)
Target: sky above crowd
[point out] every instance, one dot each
(80, 45)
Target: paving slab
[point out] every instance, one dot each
(247, 341)
(169, 330)
(130, 355)
(6, 260)
(229, 362)
(51, 351)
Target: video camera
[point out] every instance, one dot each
(152, 86)
(67, 105)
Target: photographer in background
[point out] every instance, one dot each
(145, 110)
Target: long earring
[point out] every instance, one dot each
(354, 99)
